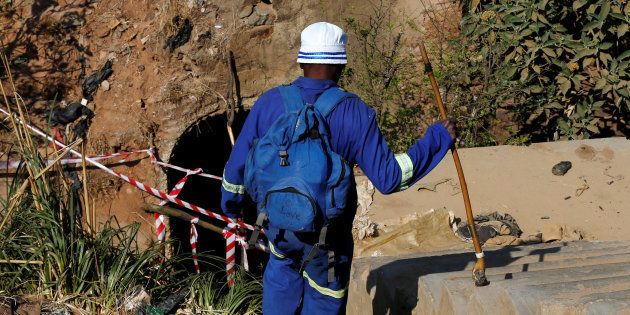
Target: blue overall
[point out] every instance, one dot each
(355, 136)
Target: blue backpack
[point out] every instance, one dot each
(292, 173)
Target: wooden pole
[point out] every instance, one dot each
(176, 213)
(479, 270)
(86, 197)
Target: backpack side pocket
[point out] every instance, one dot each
(338, 186)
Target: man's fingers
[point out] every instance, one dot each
(450, 126)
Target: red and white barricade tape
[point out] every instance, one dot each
(160, 226)
(125, 156)
(229, 231)
(230, 254)
(232, 238)
(193, 241)
(138, 184)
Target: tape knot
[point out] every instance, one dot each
(193, 172)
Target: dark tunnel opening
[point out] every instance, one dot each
(206, 145)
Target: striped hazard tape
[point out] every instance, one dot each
(232, 224)
(160, 226)
(193, 241)
(232, 238)
(138, 184)
(124, 154)
(230, 254)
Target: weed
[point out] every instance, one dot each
(561, 68)
(385, 77)
(48, 251)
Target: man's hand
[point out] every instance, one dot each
(451, 126)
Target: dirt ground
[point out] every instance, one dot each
(592, 197)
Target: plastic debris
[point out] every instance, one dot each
(137, 299)
(68, 114)
(182, 36)
(488, 226)
(94, 80)
(166, 306)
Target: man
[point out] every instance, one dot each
(356, 137)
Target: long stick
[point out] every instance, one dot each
(231, 103)
(479, 270)
(86, 197)
(176, 213)
(21, 262)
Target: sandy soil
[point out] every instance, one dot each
(592, 196)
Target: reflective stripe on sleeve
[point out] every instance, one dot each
(337, 294)
(235, 189)
(274, 252)
(406, 167)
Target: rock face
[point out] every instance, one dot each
(155, 95)
(583, 277)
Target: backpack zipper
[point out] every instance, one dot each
(343, 174)
(291, 190)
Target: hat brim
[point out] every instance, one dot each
(323, 61)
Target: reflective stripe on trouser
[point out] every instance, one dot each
(286, 291)
(275, 252)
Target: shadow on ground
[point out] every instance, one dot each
(396, 282)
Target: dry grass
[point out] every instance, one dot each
(49, 253)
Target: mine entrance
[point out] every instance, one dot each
(205, 144)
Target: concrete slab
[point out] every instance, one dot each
(518, 180)
(583, 277)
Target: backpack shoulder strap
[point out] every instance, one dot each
(330, 99)
(291, 98)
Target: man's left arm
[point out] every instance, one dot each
(232, 186)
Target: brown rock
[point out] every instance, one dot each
(551, 232)
(29, 308)
(103, 33)
(5, 308)
(246, 11)
(105, 85)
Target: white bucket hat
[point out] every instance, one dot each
(323, 43)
